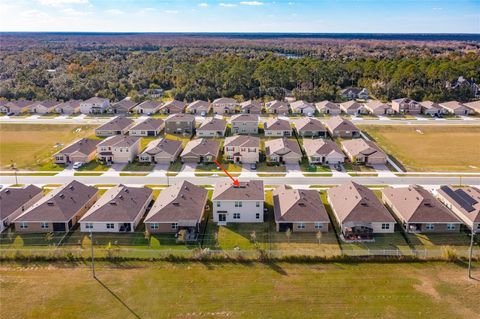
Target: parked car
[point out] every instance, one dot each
(253, 166)
(77, 165)
(338, 167)
(10, 113)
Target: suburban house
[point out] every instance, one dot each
(464, 202)
(119, 125)
(15, 200)
(69, 107)
(323, 151)
(354, 93)
(212, 127)
(44, 107)
(431, 108)
(200, 151)
(148, 127)
(94, 105)
(122, 107)
(361, 151)
(245, 124)
(180, 123)
(238, 204)
(83, 151)
(461, 83)
(199, 107)
(277, 127)
(119, 210)
(455, 107)
(277, 107)
(327, 107)
(16, 107)
(161, 151)
(151, 93)
(251, 106)
(310, 127)
(147, 107)
(300, 210)
(283, 150)
(59, 210)
(340, 127)
(419, 211)
(378, 108)
(359, 212)
(172, 107)
(178, 207)
(224, 105)
(406, 105)
(302, 107)
(118, 149)
(353, 108)
(242, 149)
(475, 106)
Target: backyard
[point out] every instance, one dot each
(430, 148)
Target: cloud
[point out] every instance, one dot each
(171, 11)
(437, 8)
(203, 4)
(227, 5)
(56, 3)
(145, 10)
(34, 14)
(114, 12)
(251, 3)
(73, 12)
(291, 3)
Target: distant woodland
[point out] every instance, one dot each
(66, 66)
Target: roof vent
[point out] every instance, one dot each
(302, 204)
(176, 204)
(113, 203)
(364, 204)
(62, 196)
(71, 188)
(50, 203)
(7, 191)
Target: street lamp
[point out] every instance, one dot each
(93, 257)
(13, 165)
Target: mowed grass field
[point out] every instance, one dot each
(31, 146)
(239, 290)
(430, 148)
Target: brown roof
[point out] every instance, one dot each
(277, 146)
(119, 141)
(175, 104)
(373, 105)
(417, 205)
(20, 103)
(361, 146)
(300, 105)
(320, 146)
(119, 204)
(277, 124)
(251, 104)
(157, 146)
(152, 105)
(13, 198)
(327, 104)
(337, 122)
(430, 105)
(466, 200)
(181, 202)
(60, 205)
(224, 100)
(150, 124)
(245, 117)
(124, 105)
(251, 190)
(351, 105)
(116, 124)
(180, 117)
(308, 125)
(353, 202)
(70, 104)
(272, 105)
(452, 105)
(298, 205)
(48, 103)
(197, 104)
(242, 140)
(201, 147)
(96, 99)
(213, 124)
(84, 146)
(475, 105)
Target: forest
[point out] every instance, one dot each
(188, 68)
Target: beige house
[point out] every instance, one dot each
(148, 127)
(15, 200)
(119, 125)
(180, 123)
(431, 108)
(44, 107)
(201, 151)
(147, 107)
(251, 107)
(323, 151)
(277, 107)
(361, 151)
(475, 106)
(83, 151)
(300, 210)
(464, 202)
(16, 107)
(212, 127)
(283, 150)
(340, 127)
(406, 106)
(378, 108)
(245, 124)
(277, 127)
(124, 106)
(353, 108)
(59, 210)
(178, 207)
(419, 211)
(119, 210)
(303, 108)
(455, 107)
(94, 105)
(69, 107)
(310, 127)
(242, 149)
(199, 107)
(329, 108)
(118, 149)
(359, 212)
(172, 107)
(161, 151)
(224, 105)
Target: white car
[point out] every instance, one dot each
(77, 165)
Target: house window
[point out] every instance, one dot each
(88, 226)
(236, 215)
(257, 204)
(257, 215)
(218, 204)
(110, 226)
(174, 225)
(385, 226)
(450, 226)
(429, 226)
(154, 226)
(23, 225)
(318, 226)
(238, 204)
(44, 225)
(301, 226)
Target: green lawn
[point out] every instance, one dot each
(270, 168)
(306, 167)
(93, 166)
(138, 167)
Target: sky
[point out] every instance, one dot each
(310, 16)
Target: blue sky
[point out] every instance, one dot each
(377, 16)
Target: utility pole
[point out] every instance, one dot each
(93, 257)
(14, 167)
(470, 255)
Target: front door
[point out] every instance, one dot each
(222, 217)
(59, 227)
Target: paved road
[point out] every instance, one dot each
(208, 180)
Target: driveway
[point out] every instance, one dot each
(68, 171)
(188, 170)
(293, 170)
(159, 170)
(335, 173)
(383, 170)
(247, 171)
(114, 170)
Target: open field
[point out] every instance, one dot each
(430, 148)
(239, 290)
(31, 146)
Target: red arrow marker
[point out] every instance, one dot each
(235, 181)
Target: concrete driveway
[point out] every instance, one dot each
(383, 170)
(293, 170)
(68, 171)
(247, 171)
(188, 170)
(114, 169)
(159, 170)
(335, 173)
